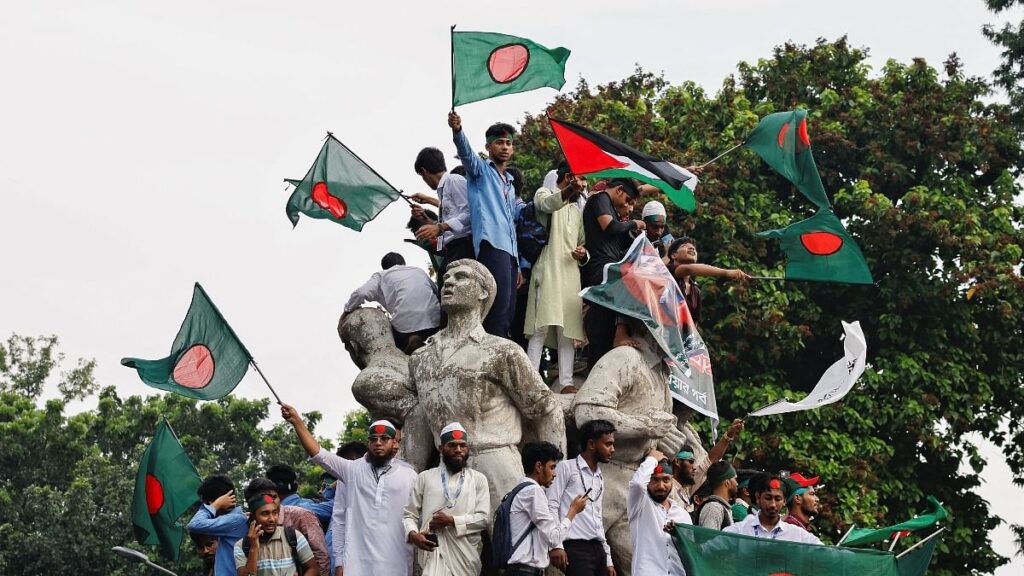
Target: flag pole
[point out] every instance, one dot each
(933, 535)
(375, 173)
(766, 406)
(768, 278)
(847, 535)
(895, 539)
(451, 43)
(265, 381)
(722, 154)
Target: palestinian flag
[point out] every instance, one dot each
(594, 154)
(781, 140)
(340, 187)
(485, 65)
(207, 359)
(165, 487)
(641, 287)
(711, 552)
(820, 249)
(862, 536)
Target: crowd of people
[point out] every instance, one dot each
(378, 516)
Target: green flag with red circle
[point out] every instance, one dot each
(487, 64)
(340, 187)
(207, 359)
(820, 249)
(781, 139)
(165, 487)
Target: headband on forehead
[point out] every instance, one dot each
(382, 428)
(259, 501)
(502, 136)
(663, 467)
(685, 455)
(453, 431)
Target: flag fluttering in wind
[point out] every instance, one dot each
(781, 139)
(641, 287)
(487, 64)
(820, 249)
(594, 154)
(861, 536)
(165, 487)
(712, 552)
(836, 382)
(340, 187)
(207, 359)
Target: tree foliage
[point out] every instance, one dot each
(67, 481)
(922, 171)
(1010, 39)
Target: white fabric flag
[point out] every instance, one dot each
(835, 382)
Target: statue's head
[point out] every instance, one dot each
(468, 284)
(366, 331)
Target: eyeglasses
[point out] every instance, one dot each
(380, 439)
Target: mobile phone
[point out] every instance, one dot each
(433, 538)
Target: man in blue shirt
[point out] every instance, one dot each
(287, 482)
(218, 517)
(493, 209)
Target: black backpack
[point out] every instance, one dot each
(502, 546)
(531, 235)
(290, 538)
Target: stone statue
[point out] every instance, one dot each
(485, 382)
(629, 387)
(383, 385)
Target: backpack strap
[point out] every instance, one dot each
(529, 529)
(293, 543)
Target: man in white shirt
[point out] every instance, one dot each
(531, 515)
(376, 490)
(585, 550)
(448, 510)
(652, 515)
(453, 231)
(409, 296)
(770, 493)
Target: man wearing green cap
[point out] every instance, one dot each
(448, 510)
(802, 502)
(715, 511)
(771, 493)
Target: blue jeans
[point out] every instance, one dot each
(505, 269)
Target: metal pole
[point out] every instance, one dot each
(907, 551)
(267, 382)
(720, 155)
(847, 535)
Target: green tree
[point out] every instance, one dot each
(1010, 38)
(922, 171)
(66, 481)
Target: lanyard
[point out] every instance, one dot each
(449, 502)
(585, 489)
(383, 470)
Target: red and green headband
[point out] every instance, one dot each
(382, 428)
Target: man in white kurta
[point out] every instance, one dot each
(376, 488)
(452, 503)
(650, 511)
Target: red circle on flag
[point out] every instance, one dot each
(782, 134)
(322, 197)
(508, 62)
(801, 132)
(154, 494)
(821, 243)
(194, 368)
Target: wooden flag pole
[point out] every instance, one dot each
(933, 535)
(452, 44)
(265, 381)
(716, 158)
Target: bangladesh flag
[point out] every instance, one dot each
(861, 536)
(820, 249)
(591, 153)
(340, 187)
(710, 552)
(165, 487)
(641, 287)
(207, 359)
(485, 65)
(781, 140)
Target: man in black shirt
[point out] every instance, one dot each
(607, 240)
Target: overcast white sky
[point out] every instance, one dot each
(142, 147)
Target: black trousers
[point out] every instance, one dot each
(586, 558)
(522, 570)
(599, 325)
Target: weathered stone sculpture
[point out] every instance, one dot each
(483, 381)
(628, 387)
(383, 385)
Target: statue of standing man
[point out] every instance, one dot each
(485, 382)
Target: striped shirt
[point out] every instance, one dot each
(275, 556)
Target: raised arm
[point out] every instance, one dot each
(329, 461)
(368, 292)
(637, 490)
(231, 525)
(474, 165)
(684, 270)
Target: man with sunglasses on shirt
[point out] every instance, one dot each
(585, 551)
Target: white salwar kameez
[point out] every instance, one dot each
(458, 551)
